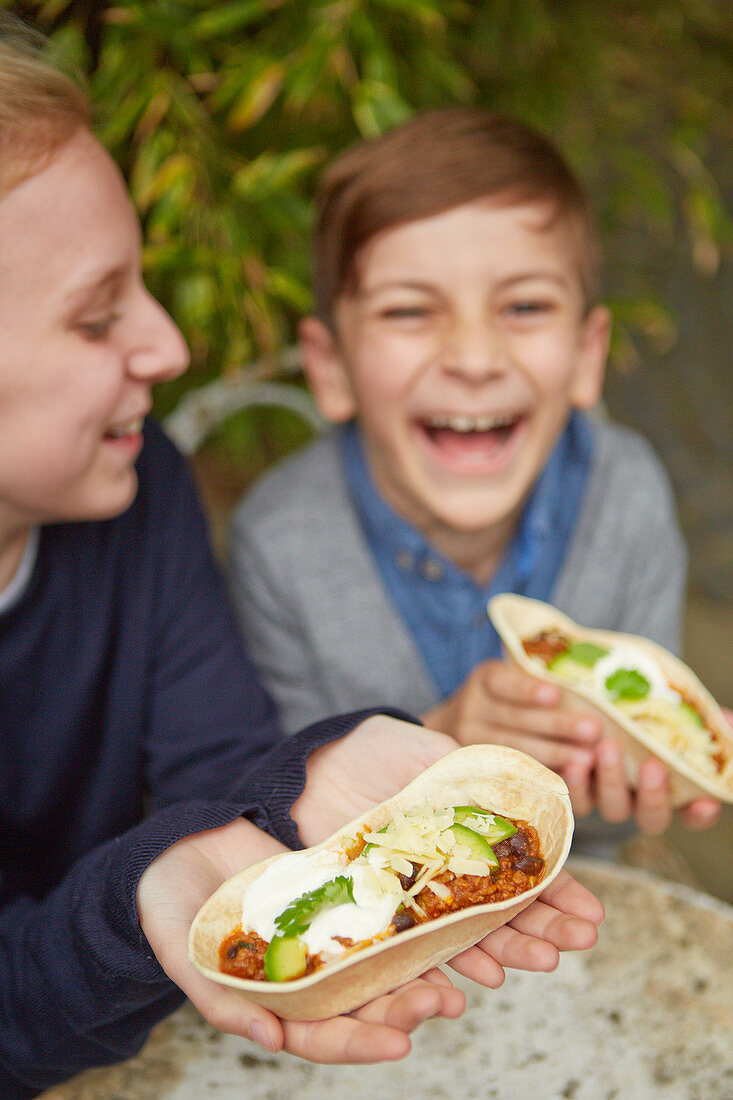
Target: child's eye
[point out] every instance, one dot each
(400, 313)
(98, 328)
(529, 308)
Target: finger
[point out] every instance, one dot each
(512, 948)
(505, 680)
(579, 781)
(433, 994)
(613, 796)
(560, 931)
(229, 1012)
(653, 811)
(553, 754)
(343, 1041)
(567, 895)
(480, 966)
(564, 725)
(702, 813)
(377, 1032)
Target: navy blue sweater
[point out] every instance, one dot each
(130, 718)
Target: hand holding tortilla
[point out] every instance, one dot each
(644, 696)
(499, 703)
(513, 786)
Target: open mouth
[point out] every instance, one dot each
(471, 439)
(124, 430)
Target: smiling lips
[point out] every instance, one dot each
(131, 427)
(478, 440)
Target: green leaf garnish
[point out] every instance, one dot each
(627, 683)
(585, 653)
(298, 916)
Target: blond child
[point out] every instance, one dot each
(139, 762)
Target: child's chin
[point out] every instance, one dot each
(108, 501)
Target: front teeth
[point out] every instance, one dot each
(130, 427)
(472, 423)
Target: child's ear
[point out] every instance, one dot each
(592, 354)
(324, 368)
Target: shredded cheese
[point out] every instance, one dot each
(425, 836)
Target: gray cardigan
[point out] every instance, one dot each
(322, 630)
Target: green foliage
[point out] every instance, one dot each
(221, 114)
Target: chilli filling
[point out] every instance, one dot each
(424, 864)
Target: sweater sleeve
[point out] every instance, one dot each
(80, 986)
(270, 625)
(208, 719)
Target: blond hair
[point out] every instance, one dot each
(41, 106)
(436, 161)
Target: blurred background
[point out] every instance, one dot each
(221, 114)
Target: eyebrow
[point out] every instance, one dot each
(398, 284)
(428, 288)
(85, 293)
(539, 276)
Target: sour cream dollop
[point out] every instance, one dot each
(629, 657)
(376, 897)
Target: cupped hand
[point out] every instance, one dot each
(373, 762)
(345, 778)
(169, 895)
(502, 704)
(565, 917)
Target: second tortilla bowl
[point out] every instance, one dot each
(508, 782)
(518, 618)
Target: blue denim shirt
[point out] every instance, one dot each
(444, 607)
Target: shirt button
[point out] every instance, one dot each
(404, 560)
(432, 570)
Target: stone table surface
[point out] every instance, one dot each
(646, 1015)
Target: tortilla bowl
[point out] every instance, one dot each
(518, 619)
(491, 776)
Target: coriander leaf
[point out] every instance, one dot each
(627, 683)
(298, 916)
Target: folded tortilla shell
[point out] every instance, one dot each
(500, 779)
(519, 619)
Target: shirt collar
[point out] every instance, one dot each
(384, 527)
(17, 586)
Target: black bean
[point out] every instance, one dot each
(232, 950)
(408, 880)
(531, 865)
(519, 842)
(403, 920)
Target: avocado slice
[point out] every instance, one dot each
(692, 714)
(478, 845)
(500, 828)
(286, 958)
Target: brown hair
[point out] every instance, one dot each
(438, 160)
(41, 107)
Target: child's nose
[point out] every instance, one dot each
(475, 350)
(159, 352)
